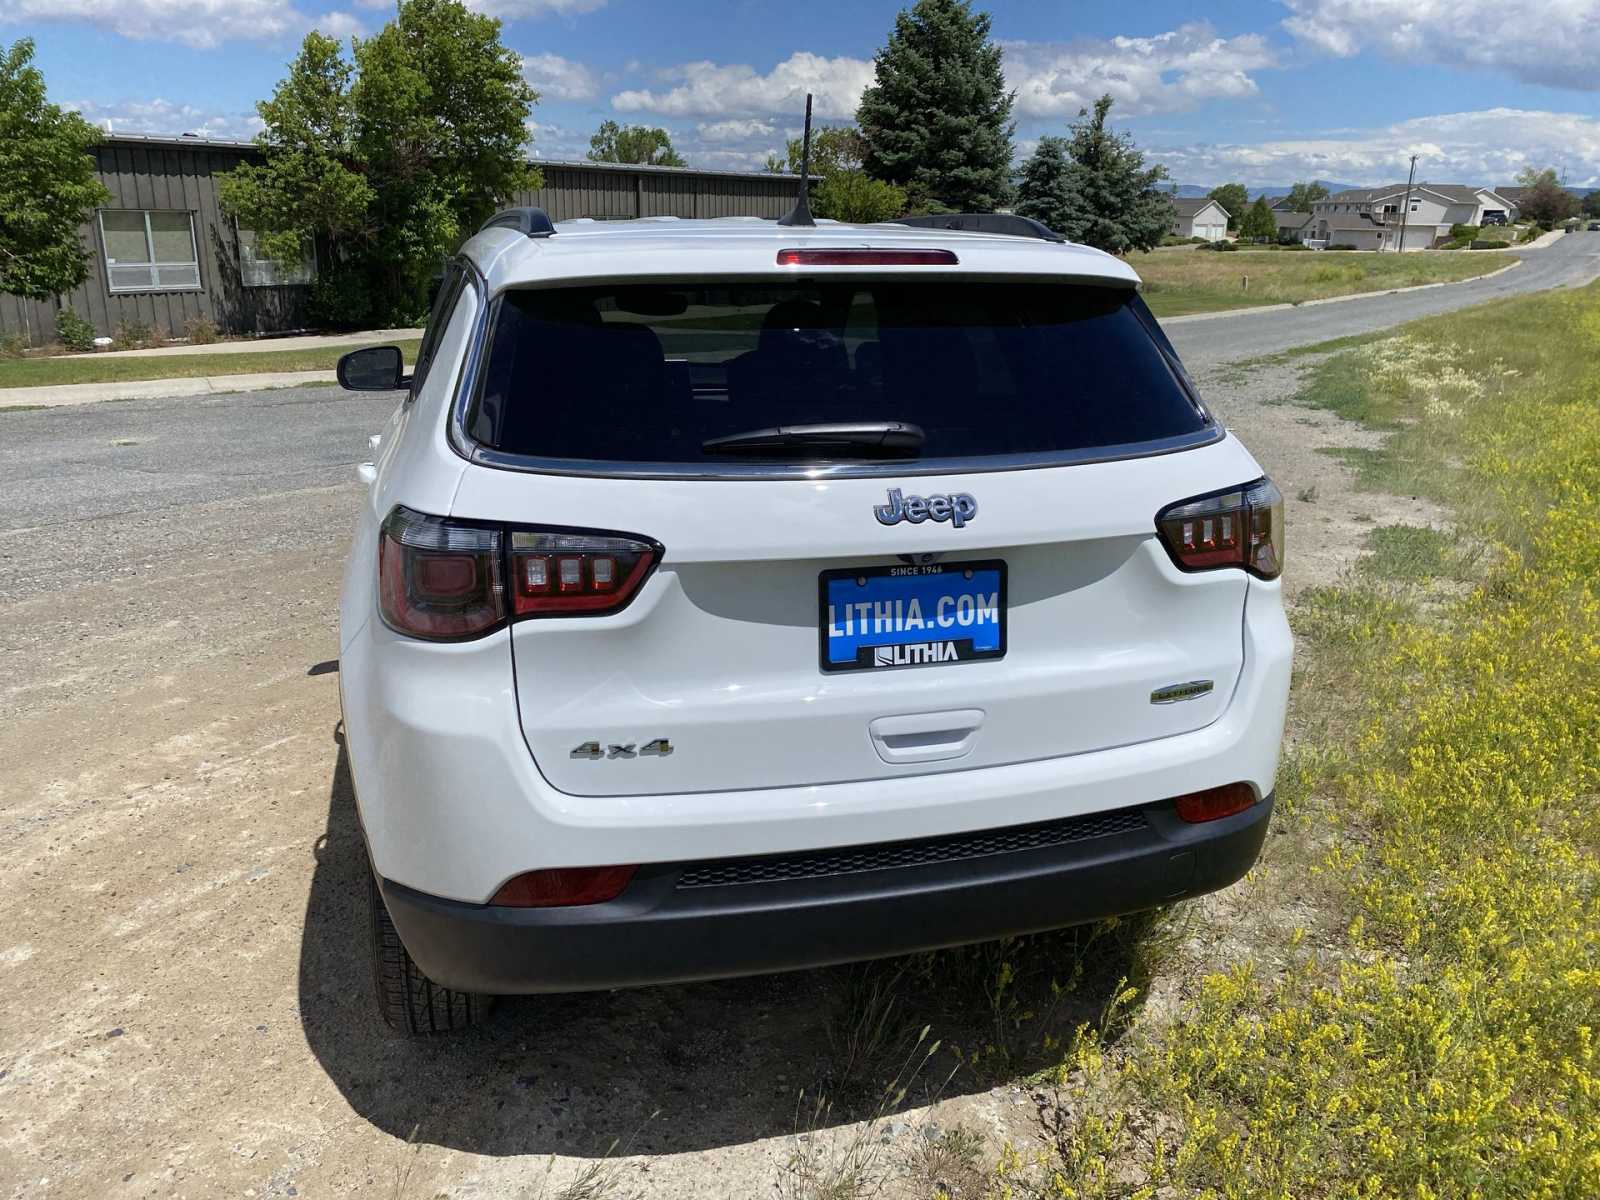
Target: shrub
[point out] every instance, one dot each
(1294, 246)
(1464, 232)
(12, 345)
(1533, 231)
(1487, 244)
(201, 331)
(1344, 246)
(75, 333)
(1222, 245)
(133, 335)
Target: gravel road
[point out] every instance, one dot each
(186, 1005)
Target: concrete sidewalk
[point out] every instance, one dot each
(266, 345)
(55, 395)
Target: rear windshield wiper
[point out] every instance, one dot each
(857, 438)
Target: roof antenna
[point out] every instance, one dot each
(800, 214)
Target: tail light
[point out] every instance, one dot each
(556, 574)
(446, 580)
(563, 886)
(1215, 803)
(861, 256)
(1242, 527)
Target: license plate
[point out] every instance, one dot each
(883, 617)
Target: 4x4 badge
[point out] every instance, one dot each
(958, 508)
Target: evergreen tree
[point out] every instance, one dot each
(47, 184)
(1116, 204)
(1234, 200)
(1259, 225)
(937, 118)
(633, 144)
(1045, 191)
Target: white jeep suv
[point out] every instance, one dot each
(734, 596)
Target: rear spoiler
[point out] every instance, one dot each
(1008, 224)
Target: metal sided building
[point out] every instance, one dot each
(162, 253)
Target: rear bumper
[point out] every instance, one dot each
(659, 931)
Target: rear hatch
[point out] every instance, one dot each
(960, 571)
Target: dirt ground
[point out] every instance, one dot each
(186, 995)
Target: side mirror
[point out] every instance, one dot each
(373, 369)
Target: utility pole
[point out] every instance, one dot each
(1405, 209)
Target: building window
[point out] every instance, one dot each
(149, 251)
(1416, 206)
(259, 271)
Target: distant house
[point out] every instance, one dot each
(1199, 217)
(1291, 224)
(1371, 218)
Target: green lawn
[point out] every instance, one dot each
(39, 372)
(1211, 281)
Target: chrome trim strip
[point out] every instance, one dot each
(463, 444)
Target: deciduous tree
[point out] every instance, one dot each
(937, 118)
(1259, 225)
(1303, 195)
(633, 144)
(390, 158)
(1234, 199)
(1545, 201)
(48, 187)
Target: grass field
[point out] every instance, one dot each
(1429, 1028)
(37, 372)
(1207, 281)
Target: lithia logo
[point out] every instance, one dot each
(958, 508)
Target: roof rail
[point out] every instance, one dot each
(1003, 223)
(531, 222)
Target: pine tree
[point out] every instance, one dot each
(1045, 190)
(1116, 205)
(937, 119)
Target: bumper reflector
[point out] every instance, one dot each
(1215, 803)
(563, 886)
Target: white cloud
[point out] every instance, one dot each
(557, 141)
(1168, 72)
(522, 10)
(202, 24)
(560, 78)
(165, 117)
(708, 89)
(1485, 147)
(1554, 42)
(735, 130)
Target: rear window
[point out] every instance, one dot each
(651, 373)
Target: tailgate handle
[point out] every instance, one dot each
(926, 737)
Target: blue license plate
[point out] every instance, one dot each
(912, 616)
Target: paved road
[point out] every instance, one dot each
(1569, 262)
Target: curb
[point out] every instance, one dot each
(1265, 308)
(57, 395)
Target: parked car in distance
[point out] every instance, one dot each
(1594, 226)
(1493, 218)
(733, 597)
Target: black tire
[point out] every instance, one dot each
(411, 1003)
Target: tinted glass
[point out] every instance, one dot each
(444, 303)
(649, 373)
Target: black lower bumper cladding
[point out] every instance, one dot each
(677, 922)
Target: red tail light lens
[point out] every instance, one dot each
(439, 580)
(447, 580)
(561, 574)
(861, 256)
(563, 886)
(1215, 803)
(1242, 527)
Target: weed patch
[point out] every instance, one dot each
(1436, 1035)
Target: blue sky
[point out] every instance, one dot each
(1265, 91)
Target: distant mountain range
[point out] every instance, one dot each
(1195, 190)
